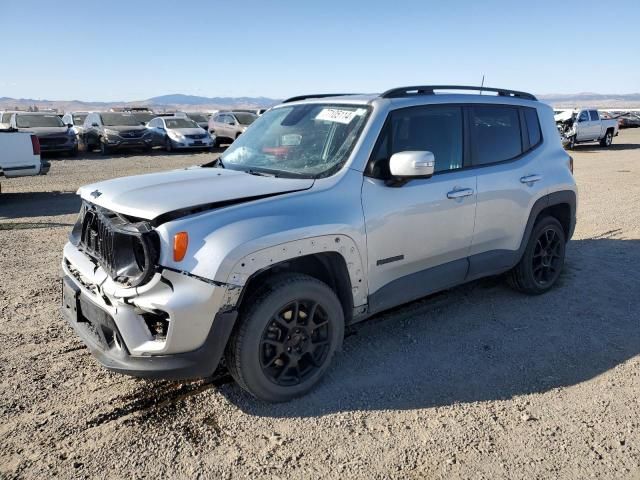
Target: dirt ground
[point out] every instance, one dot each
(475, 382)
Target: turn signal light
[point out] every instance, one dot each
(180, 244)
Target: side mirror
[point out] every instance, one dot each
(69, 125)
(160, 127)
(412, 164)
(94, 124)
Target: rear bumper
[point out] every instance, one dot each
(99, 332)
(45, 166)
(68, 145)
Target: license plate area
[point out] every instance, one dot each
(70, 298)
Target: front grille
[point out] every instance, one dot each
(132, 134)
(127, 251)
(197, 136)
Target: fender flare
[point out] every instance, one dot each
(568, 197)
(260, 260)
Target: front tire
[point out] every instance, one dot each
(572, 142)
(542, 260)
(286, 337)
(168, 145)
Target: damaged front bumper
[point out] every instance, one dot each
(175, 326)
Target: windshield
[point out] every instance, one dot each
(311, 140)
(144, 117)
(78, 118)
(245, 118)
(119, 119)
(180, 123)
(28, 121)
(197, 117)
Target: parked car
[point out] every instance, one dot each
(227, 126)
(76, 119)
(20, 154)
(5, 119)
(52, 133)
(110, 131)
(175, 133)
(628, 120)
(585, 125)
(202, 119)
(143, 117)
(324, 212)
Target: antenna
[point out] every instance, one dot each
(482, 84)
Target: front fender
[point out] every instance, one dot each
(248, 264)
(231, 244)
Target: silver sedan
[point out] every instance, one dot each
(179, 133)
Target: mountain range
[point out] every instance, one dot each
(184, 102)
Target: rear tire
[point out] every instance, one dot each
(285, 338)
(607, 140)
(542, 260)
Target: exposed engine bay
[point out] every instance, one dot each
(566, 124)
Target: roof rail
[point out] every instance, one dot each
(315, 95)
(430, 90)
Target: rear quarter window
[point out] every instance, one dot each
(533, 126)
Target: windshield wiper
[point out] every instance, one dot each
(260, 174)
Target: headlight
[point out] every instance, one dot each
(175, 135)
(108, 132)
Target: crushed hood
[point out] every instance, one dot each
(160, 194)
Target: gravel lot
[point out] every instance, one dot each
(476, 382)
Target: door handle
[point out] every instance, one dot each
(463, 192)
(530, 179)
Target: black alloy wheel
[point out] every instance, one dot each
(547, 257)
(296, 343)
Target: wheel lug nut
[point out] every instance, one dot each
(289, 349)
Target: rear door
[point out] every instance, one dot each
(595, 125)
(505, 141)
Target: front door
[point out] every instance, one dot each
(419, 233)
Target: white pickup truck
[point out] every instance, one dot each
(20, 155)
(582, 125)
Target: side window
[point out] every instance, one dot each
(594, 115)
(6, 118)
(533, 126)
(437, 129)
(495, 133)
(584, 116)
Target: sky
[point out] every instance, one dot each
(136, 49)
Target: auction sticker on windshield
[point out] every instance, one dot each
(337, 115)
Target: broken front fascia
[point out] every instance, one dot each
(189, 303)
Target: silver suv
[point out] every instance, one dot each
(227, 126)
(326, 211)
